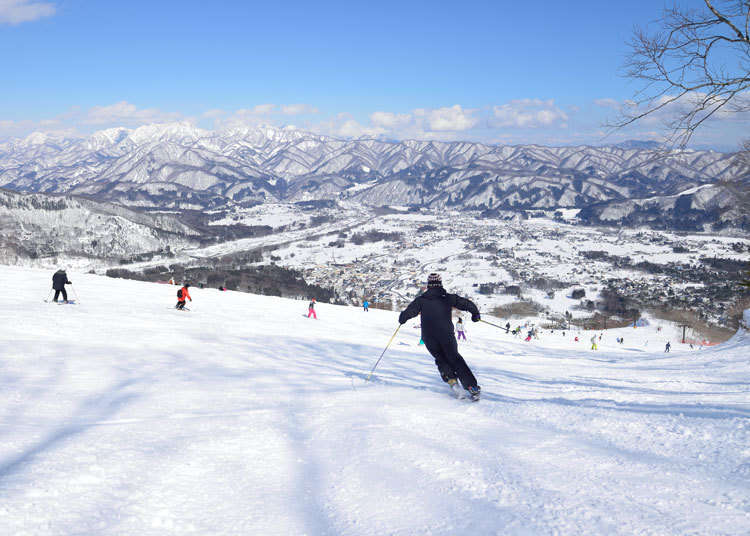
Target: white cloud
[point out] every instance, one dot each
(214, 113)
(450, 118)
(263, 109)
(298, 109)
(124, 113)
(608, 103)
(670, 113)
(528, 113)
(343, 125)
(18, 11)
(388, 120)
(260, 114)
(23, 128)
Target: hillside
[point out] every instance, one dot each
(124, 416)
(47, 226)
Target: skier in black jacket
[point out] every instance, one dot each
(59, 280)
(435, 306)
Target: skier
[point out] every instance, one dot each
(311, 309)
(366, 305)
(437, 332)
(667, 347)
(593, 342)
(507, 327)
(460, 329)
(183, 295)
(59, 280)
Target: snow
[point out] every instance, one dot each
(121, 415)
(695, 189)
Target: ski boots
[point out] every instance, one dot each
(474, 393)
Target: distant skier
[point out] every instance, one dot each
(366, 305)
(59, 280)
(667, 347)
(183, 295)
(435, 306)
(507, 327)
(593, 342)
(311, 309)
(460, 329)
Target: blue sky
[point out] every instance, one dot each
(504, 72)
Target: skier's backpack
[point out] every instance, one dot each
(179, 293)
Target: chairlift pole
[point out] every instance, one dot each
(684, 327)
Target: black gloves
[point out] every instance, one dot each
(475, 317)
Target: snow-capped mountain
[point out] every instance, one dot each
(38, 225)
(180, 166)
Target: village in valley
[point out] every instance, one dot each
(526, 264)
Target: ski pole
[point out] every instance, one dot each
(491, 324)
(75, 293)
(381, 355)
(49, 295)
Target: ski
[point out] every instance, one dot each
(457, 391)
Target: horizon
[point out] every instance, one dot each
(487, 73)
(651, 144)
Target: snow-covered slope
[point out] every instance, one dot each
(121, 415)
(706, 208)
(179, 166)
(37, 226)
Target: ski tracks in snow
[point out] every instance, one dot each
(118, 417)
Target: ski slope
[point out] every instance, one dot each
(120, 415)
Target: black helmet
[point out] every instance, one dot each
(187, 285)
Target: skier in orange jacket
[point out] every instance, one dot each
(183, 295)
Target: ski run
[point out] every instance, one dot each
(121, 415)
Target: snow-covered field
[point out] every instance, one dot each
(120, 415)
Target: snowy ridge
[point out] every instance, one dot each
(37, 225)
(124, 416)
(270, 164)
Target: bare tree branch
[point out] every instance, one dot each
(694, 66)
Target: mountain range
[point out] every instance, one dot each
(179, 166)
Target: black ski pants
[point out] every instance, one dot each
(180, 304)
(449, 362)
(57, 293)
